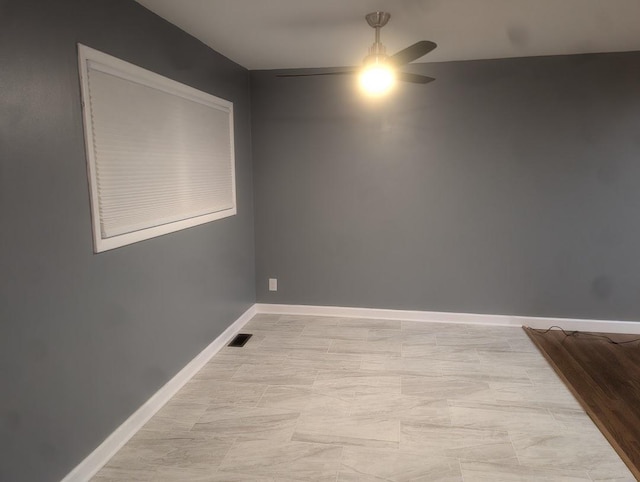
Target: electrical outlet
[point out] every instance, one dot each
(273, 284)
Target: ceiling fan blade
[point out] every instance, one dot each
(413, 52)
(342, 72)
(414, 78)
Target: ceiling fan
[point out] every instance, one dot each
(379, 70)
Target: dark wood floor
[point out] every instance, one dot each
(605, 378)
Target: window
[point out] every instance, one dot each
(160, 154)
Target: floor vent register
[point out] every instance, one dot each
(240, 339)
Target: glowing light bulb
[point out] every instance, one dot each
(377, 79)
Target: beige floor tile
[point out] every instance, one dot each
(336, 332)
(486, 372)
(577, 450)
(177, 415)
(611, 471)
(412, 327)
(502, 416)
(374, 347)
(446, 388)
(325, 361)
(375, 334)
(399, 365)
(221, 392)
(441, 353)
(462, 443)
(284, 374)
(364, 430)
(528, 360)
(307, 399)
(248, 423)
(300, 343)
(289, 460)
(403, 407)
(546, 396)
(301, 321)
(522, 344)
(544, 375)
(179, 450)
(360, 464)
(357, 381)
(490, 472)
(129, 473)
(371, 323)
(575, 419)
(484, 342)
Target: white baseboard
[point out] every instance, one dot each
(600, 326)
(114, 442)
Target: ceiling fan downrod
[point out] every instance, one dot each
(377, 20)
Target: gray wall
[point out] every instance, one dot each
(85, 339)
(505, 187)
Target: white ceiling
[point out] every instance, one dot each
(272, 34)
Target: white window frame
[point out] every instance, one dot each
(94, 59)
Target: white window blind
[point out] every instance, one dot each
(160, 153)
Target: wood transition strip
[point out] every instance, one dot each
(605, 379)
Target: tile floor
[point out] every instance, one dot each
(337, 399)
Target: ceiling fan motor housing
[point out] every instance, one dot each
(378, 19)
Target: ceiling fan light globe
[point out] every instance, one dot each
(377, 80)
